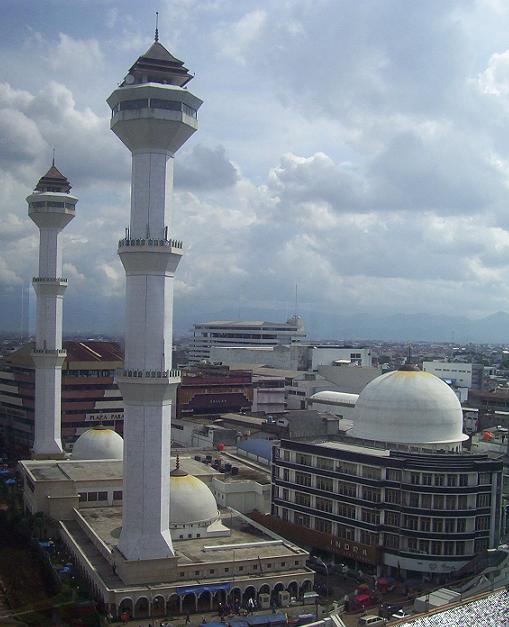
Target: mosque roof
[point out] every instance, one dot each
(408, 406)
(98, 443)
(158, 65)
(191, 501)
(53, 181)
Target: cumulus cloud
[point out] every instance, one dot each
(205, 169)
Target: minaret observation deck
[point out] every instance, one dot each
(153, 115)
(51, 207)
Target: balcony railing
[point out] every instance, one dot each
(49, 279)
(150, 374)
(168, 243)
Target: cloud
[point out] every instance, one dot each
(205, 169)
(236, 39)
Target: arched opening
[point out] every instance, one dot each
(265, 589)
(274, 597)
(219, 599)
(173, 605)
(189, 603)
(293, 589)
(142, 608)
(204, 602)
(235, 598)
(306, 586)
(158, 606)
(125, 609)
(249, 597)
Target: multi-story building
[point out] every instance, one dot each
(458, 374)
(396, 493)
(89, 393)
(243, 333)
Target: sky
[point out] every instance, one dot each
(357, 148)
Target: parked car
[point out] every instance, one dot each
(400, 614)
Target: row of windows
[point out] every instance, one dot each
(392, 474)
(94, 497)
(52, 203)
(240, 568)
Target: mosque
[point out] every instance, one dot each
(153, 542)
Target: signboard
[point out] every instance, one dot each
(104, 417)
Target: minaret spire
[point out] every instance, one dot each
(150, 257)
(156, 37)
(51, 207)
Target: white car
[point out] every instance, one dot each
(400, 614)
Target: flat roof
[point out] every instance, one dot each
(341, 446)
(107, 522)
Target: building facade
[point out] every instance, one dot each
(459, 374)
(89, 394)
(243, 333)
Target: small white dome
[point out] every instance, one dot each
(191, 501)
(408, 406)
(98, 443)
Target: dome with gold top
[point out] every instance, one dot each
(98, 443)
(409, 406)
(193, 508)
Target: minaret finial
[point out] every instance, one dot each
(157, 25)
(177, 464)
(53, 160)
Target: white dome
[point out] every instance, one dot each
(98, 443)
(191, 501)
(408, 407)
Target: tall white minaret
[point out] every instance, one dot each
(153, 114)
(51, 207)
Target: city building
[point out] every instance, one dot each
(457, 374)
(89, 394)
(299, 356)
(51, 207)
(243, 333)
(396, 493)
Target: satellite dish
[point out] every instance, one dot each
(129, 79)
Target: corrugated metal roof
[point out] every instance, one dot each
(257, 446)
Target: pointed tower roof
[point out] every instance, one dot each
(158, 65)
(53, 181)
(178, 471)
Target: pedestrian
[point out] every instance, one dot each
(203, 620)
(188, 619)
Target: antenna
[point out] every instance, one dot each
(157, 26)
(53, 160)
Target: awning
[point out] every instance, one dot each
(213, 587)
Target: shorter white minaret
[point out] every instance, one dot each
(51, 207)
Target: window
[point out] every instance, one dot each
(302, 519)
(415, 478)
(325, 484)
(325, 526)
(346, 510)
(450, 501)
(371, 472)
(211, 571)
(483, 500)
(102, 496)
(83, 497)
(410, 522)
(117, 495)
(426, 501)
(92, 496)
(462, 501)
(439, 501)
(423, 546)
(484, 478)
(461, 525)
(324, 505)
(412, 544)
(436, 548)
(304, 460)
(392, 519)
(448, 548)
(450, 525)
(481, 544)
(392, 496)
(371, 494)
(241, 568)
(286, 455)
(393, 475)
(460, 548)
(482, 522)
(370, 516)
(347, 489)
(286, 474)
(438, 525)
(324, 463)
(347, 468)
(426, 478)
(283, 564)
(369, 538)
(344, 532)
(286, 494)
(302, 499)
(181, 574)
(255, 566)
(463, 480)
(452, 480)
(425, 524)
(391, 541)
(226, 570)
(284, 514)
(412, 498)
(439, 480)
(303, 478)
